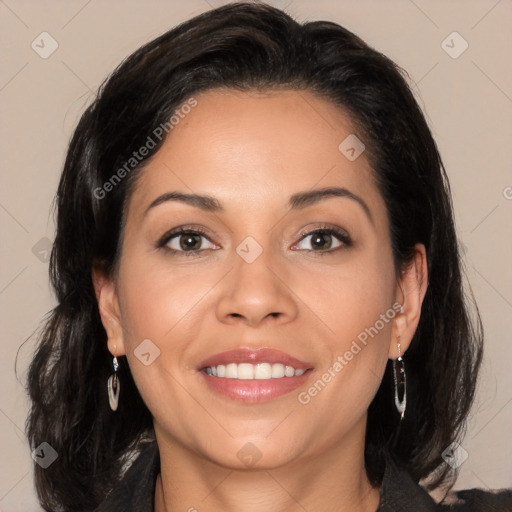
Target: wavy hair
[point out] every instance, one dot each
(244, 46)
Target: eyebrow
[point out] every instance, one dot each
(204, 202)
(297, 201)
(305, 199)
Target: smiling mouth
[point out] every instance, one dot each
(249, 371)
(252, 376)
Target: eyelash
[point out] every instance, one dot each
(340, 234)
(178, 232)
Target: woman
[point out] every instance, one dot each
(260, 302)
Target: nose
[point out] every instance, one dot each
(256, 293)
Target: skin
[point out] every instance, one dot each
(251, 151)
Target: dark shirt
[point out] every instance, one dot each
(399, 492)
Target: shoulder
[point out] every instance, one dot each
(401, 493)
(477, 500)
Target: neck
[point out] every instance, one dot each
(335, 480)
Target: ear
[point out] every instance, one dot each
(410, 292)
(108, 305)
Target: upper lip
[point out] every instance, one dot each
(260, 355)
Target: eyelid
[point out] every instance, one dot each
(183, 229)
(343, 234)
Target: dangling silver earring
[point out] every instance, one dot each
(114, 386)
(400, 383)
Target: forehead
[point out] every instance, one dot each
(253, 147)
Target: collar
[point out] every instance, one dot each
(400, 493)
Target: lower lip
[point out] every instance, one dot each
(255, 390)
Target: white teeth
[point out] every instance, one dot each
(277, 371)
(232, 371)
(245, 371)
(263, 371)
(289, 371)
(248, 371)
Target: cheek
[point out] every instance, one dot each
(355, 303)
(348, 299)
(357, 306)
(159, 299)
(163, 305)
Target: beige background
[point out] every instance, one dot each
(468, 101)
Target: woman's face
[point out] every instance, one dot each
(271, 265)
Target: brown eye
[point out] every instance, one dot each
(323, 240)
(187, 241)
